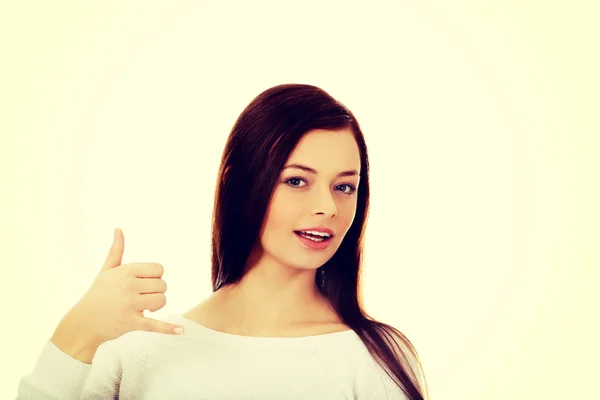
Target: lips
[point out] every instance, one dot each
(314, 241)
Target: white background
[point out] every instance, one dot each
(481, 122)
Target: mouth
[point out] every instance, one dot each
(314, 240)
(314, 235)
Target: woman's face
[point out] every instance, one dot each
(316, 189)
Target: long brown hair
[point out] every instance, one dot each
(260, 142)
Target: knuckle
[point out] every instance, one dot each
(127, 269)
(128, 283)
(148, 326)
(132, 300)
(131, 273)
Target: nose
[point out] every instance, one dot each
(324, 203)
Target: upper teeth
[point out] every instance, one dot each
(323, 234)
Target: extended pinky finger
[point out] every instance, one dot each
(154, 325)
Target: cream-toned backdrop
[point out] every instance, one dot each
(481, 121)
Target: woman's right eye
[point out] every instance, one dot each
(293, 182)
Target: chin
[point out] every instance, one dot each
(316, 262)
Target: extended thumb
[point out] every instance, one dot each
(115, 255)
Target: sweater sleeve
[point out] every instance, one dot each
(58, 376)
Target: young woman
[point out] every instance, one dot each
(285, 319)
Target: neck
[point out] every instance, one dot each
(272, 295)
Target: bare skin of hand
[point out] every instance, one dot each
(115, 304)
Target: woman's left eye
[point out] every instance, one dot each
(351, 188)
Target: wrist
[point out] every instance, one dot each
(73, 340)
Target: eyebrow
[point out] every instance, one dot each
(352, 172)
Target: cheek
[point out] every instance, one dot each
(281, 215)
(346, 215)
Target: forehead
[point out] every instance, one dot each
(330, 149)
